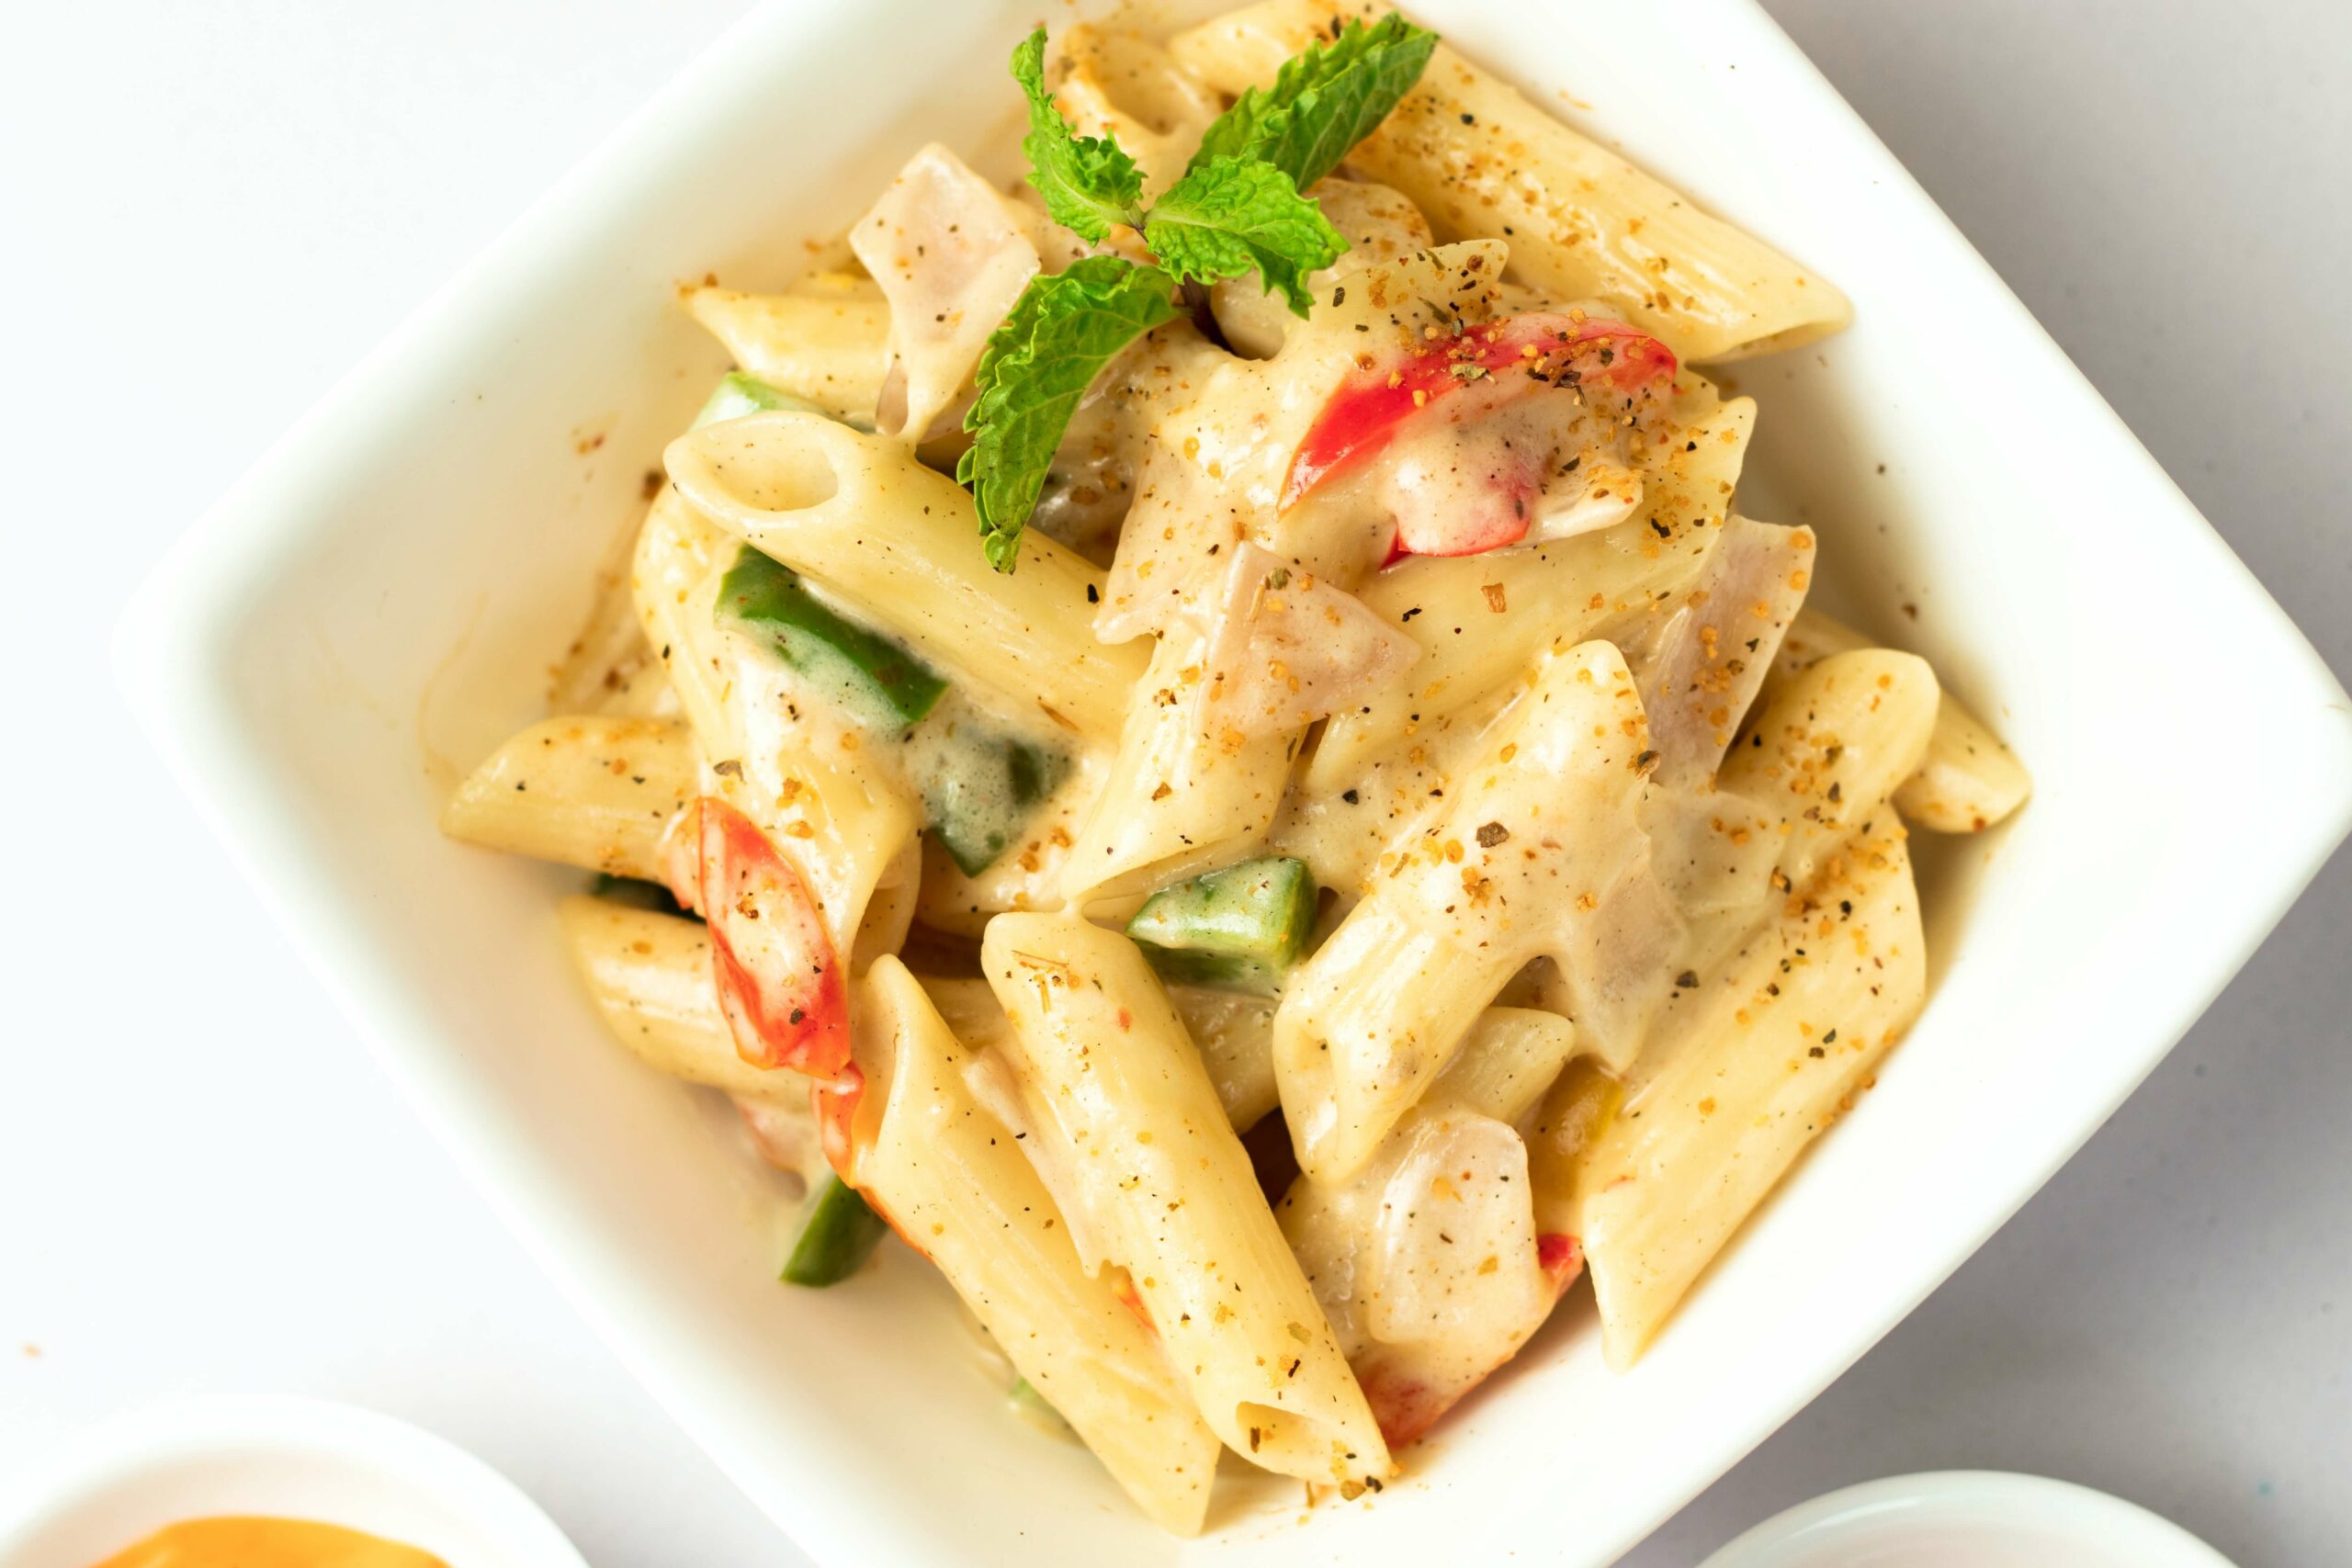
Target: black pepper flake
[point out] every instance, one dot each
(1645, 760)
(1469, 118)
(1350, 797)
(1830, 1038)
(731, 768)
(1340, 295)
(1410, 613)
(1093, 594)
(1817, 1052)
(1492, 833)
(1687, 980)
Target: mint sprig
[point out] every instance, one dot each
(1323, 101)
(1232, 216)
(1089, 183)
(1238, 210)
(1065, 327)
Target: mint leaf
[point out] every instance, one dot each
(1088, 183)
(1061, 332)
(1323, 101)
(1234, 215)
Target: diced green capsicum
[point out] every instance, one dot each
(1237, 929)
(876, 681)
(981, 793)
(838, 1232)
(739, 394)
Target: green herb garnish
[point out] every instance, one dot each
(1323, 102)
(1237, 210)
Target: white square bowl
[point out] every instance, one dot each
(375, 606)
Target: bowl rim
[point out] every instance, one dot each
(2000, 1498)
(188, 609)
(401, 1458)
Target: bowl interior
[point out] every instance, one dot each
(381, 605)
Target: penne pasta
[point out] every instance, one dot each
(1584, 224)
(1829, 747)
(648, 975)
(1968, 780)
(799, 780)
(1112, 1077)
(1234, 1033)
(862, 516)
(1528, 858)
(1180, 796)
(1772, 1052)
(827, 341)
(956, 1185)
(602, 793)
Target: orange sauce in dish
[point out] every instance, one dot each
(253, 1541)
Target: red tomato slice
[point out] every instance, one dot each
(780, 982)
(1542, 348)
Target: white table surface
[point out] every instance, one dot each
(209, 212)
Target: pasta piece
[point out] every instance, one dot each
(650, 976)
(1969, 778)
(889, 913)
(1382, 227)
(1185, 794)
(950, 1180)
(602, 793)
(844, 828)
(1483, 163)
(951, 257)
(1233, 1032)
(1482, 620)
(1510, 1058)
(1537, 851)
(1118, 83)
(1829, 747)
(827, 340)
(1967, 781)
(1112, 1077)
(862, 516)
(1691, 464)
(1769, 1055)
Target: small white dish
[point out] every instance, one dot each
(286, 1458)
(1967, 1519)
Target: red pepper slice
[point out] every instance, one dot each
(835, 1103)
(1562, 1257)
(1545, 347)
(780, 982)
